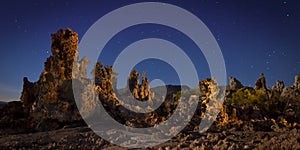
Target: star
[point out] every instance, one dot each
(155, 31)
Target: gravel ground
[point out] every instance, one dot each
(84, 138)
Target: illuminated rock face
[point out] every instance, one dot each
(139, 91)
(212, 102)
(49, 102)
(51, 97)
(104, 78)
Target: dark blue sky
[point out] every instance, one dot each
(254, 36)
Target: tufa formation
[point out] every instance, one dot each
(49, 103)
(139, 91)
(51, 97)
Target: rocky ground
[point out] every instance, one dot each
(84, 138)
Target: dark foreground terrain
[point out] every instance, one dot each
(84, 138)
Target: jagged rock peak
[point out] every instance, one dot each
(64, 50)
(279, 86)
(65, 44)
(139, 91)
(261, 83)
(235, 84)
(105, 78)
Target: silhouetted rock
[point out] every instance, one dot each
(261, 83)
(12, 119)
(234, 84)
(2, 104)
(28, 96)
(279, 86)
(288, 93)
(293, 91)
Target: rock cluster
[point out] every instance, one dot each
(139, 91)
(105, 79)
(279, 86)
(290, 98)
(49, 104)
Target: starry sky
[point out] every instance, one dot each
(254, 36)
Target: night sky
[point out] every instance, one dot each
(254, 36)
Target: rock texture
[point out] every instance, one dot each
(235, 84)
(51, 97)
(261, 83)
(84, 138)
(279, 86)
(249, 118)
(297, 85)
(139, 91)
(291, 97)
(212, 103)
(12, 119)
(104, 78)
